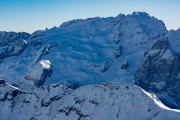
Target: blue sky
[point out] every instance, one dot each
(31, 15)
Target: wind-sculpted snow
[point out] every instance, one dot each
(115, 101)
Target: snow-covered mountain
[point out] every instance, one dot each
(115, 101)
(83, 52)
(134, 49)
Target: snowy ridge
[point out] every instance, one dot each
(119, 101)
(158, 102)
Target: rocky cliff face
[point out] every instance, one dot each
(159, 71)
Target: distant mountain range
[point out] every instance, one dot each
(91, 69)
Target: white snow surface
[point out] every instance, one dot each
(45, 64)
(115, 101)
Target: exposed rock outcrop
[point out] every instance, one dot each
(12, 44)
(159, 72)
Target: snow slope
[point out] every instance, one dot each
(115, 101)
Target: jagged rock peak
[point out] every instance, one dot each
(141, 14)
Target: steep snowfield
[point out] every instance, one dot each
(115, 101)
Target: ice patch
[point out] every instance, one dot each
(45, 64)
(167, 54)
(13, 86)
(25, 42)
